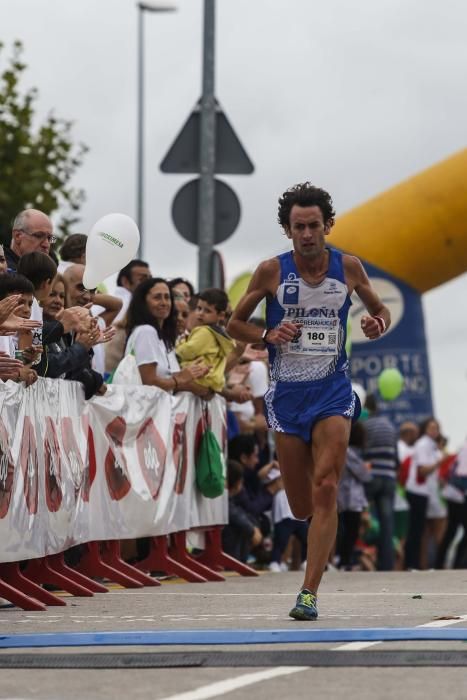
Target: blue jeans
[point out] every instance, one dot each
(380, 492)
(282, 533)
(417, 518)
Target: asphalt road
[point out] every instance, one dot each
(431, 600)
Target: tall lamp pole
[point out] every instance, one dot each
(142, 8)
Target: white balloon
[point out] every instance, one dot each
(112, 243)
(360, 391)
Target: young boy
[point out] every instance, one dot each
(241, 534)
(208, 340)
(40, 269)
(285, 525)
(19, 346)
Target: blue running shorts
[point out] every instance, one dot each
(294, 407)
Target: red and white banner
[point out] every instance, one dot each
(116, 467)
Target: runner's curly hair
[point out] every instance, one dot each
(305, 195)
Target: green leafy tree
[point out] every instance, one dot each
(37, 163)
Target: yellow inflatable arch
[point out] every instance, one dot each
(415, 231)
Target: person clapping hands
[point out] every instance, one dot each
(10, 323)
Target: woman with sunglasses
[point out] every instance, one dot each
(181, 289)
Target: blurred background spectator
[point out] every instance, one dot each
(381, 451)
(73, 251)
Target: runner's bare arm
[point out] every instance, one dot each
(263, 283)
(357, 280)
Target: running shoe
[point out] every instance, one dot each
(305, 607)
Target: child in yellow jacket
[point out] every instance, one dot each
(208, 339)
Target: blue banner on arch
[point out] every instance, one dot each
(403, 346)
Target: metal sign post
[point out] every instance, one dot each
(206, 211)
(207, 152)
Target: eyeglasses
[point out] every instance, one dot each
(82, 289)
(40, 236)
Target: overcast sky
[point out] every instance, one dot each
(353, 95)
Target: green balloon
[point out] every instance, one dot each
(390, 383)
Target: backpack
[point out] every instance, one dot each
(209, 465)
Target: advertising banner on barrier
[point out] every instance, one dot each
(116, 467)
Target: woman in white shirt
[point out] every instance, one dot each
(426, 460)
(152, 331)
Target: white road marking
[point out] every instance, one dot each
(343, 594)
(218, 689)
(445, 623)
(357, 646)
(202, 617)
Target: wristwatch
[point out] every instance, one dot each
(264, 334)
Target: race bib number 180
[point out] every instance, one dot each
(318, 336)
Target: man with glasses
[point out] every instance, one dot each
(78, 295)
(32, 232)
(3, 262)
(105, 309)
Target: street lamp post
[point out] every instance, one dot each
(142, 8)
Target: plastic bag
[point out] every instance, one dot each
(209, 466)
(127, 372)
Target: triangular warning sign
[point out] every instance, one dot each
(183, 155)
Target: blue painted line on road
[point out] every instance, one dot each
(231, 636)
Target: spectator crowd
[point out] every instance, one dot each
(402, 496)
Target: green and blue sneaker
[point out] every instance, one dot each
(305, 607)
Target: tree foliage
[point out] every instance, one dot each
(37, 163)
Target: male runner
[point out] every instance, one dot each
(310, 402)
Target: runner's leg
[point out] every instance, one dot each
(296, 465)
(311, 474)
(329, 446)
